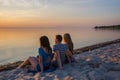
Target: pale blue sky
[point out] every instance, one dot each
(62, 12)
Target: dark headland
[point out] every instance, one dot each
(108, 27)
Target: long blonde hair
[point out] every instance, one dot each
(68, 41)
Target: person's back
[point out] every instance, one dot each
(46, 57)
(62, 48)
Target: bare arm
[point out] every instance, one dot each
(69, 54)
(58, 59)
(40, 62)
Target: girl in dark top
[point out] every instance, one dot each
(42, 62)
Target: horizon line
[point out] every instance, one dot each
(38, 27)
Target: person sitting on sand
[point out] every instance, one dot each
(68, 41)
(43, 60)
(60, 51)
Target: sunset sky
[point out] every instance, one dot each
(46, 13)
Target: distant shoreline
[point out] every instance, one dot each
(108, 27)
(10, 66)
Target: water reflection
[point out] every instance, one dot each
(18, 44)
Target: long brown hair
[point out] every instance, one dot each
(68, 40)
(44, 42)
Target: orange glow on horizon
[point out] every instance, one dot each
(37, 22)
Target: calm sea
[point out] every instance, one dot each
(18, 44)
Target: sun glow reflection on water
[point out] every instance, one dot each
(18, 44)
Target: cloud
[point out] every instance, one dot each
(22, 4)
(33, 4)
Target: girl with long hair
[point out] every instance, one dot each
(68, 41)
(43, 60)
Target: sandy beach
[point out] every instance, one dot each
(99, 64)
